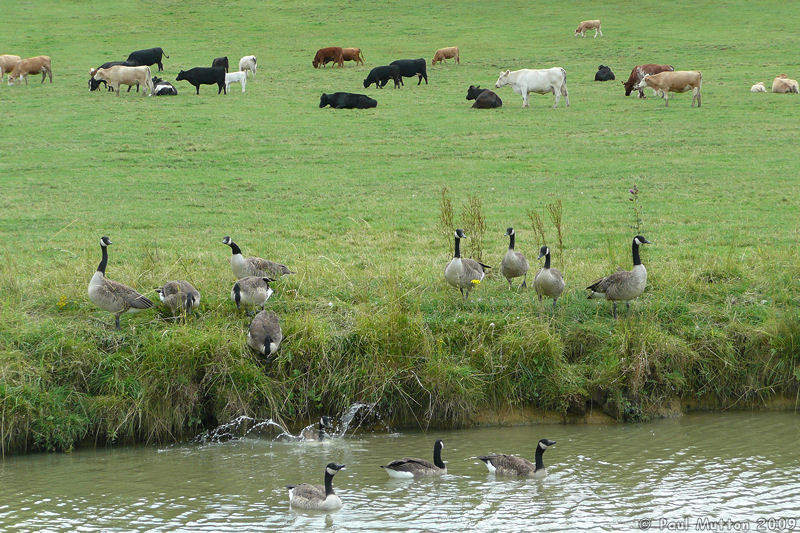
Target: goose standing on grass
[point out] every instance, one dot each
(179, 296)
(624, 285)
(309, 433)
(463, 273)
(514, 263)
(251, 291)
(265, 335)
(407, 467)
(317, 497)
(113, 296)
(253, 266)
(511, 465)
(548, 281)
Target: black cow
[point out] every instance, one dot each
(221, 62)
(198, 76)
(95, 84)
(410, 68)
(380, 76)
(604, 74)
(147, 57)
(347, 101)
(484, 98)
(163, 88)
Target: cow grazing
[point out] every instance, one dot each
(758, 88)
(122, 75)
(353, 54)
(543, 81)
(410, 68)
(586, 25)
(639, 72)
(163, 88)
(198, 76)
(380, 76)
(446, 53)
(148, 57)
(94, 83)
(604, 74)
(678, 81)
(7, 63)
(325, 55)
(783, 84)
(32, 65)
(484, 98)
(248, 63)
(221, 62)
(347, 101)
(235, 77)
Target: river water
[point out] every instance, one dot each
(736, 469)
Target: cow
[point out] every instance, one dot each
(782, 84)
(678, 81)
(148, 57)
(235, 77)
(758, 88)
(353, 54)
(221, 62)
(380, 76)
(542, 81)
(198, 76)
(484, 98)
(94, 84)
(163, 88)
(119, 74)
(638, 73)
(248, 63)
(347, 101)
(410, 68)
(31, 65)
(446, 53)
(604, 74)
(7, 63)
(589, 25)
(325, 55)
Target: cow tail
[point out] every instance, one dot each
(564, 83)
(149, 84)
(165, 54)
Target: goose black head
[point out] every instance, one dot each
(543, 251)
(105, 241)
(268, 280)
(460, 234)
(227, 240)
(640, 240)
(546, 443)
(325, 422)
(509, 232)
(332, 468)
(439, 444)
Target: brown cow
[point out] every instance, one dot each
(783, 84)
(32, 65)
(353, 54)
(7, 63)
(589, 25)
(446, 53)
(119, 75)
(678, 81)
(638, 73)
(331, 53)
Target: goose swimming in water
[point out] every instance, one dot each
(319, 497)
(407, 467)
(511, 465)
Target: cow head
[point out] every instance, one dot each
(473, 92)
(323, 100)
(94, 84)
(181, 76)
(315, 63)
(503, 79)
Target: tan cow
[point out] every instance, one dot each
(446, 53)
(353, 54)
(7, 63)
(32, 65)
(782, 84)
(758, 88)
(589, 25)
(119, 74)
(678, 81)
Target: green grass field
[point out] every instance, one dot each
(350, 200)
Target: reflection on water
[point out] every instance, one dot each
(719, 466)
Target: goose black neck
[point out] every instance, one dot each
(458, 248)
(103, 262)
(636, 260)
(547, 260)
(235, 248)
(539, 461)
(328, 483)
(321, 432)
(511, 241)
(267, 342)
(437, 457)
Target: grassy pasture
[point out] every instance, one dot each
(350, 200)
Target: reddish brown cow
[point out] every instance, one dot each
(353, 54)
(32, 65)
(331, 53)
(638, 73)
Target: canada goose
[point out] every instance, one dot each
(251, 290)
(180, 296)
(310, 433)
(463, 273)
(548, 281)
(624, 285)
(514, 263)
(511, 465)
(253, 266)
(113, 296)
(308, 496)
(407, 468)
(264, 335)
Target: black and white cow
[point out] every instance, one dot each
(163, 88)
(604, 74)
(410, 68)
(380, 76)
(347, 101)
(148, 57)
(484, 98)
(94, 84)
(198, 76)
(221, 62)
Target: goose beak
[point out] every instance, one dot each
(540, 256)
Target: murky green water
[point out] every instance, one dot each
(738, 467)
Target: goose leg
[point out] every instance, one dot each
(554, 304)
(116, 321)
(614, 308)
(509, 283)
(524, 282)
(628, 307)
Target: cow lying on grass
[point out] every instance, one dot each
(484, 98)
(347, 101)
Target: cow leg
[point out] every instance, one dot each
(197, 87)
(666, 98)
(25, 77)
(160, 66)
(601, 32)
(525, 100)
(557, 94)
(44, 74)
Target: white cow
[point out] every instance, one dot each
(758, 88)
(542, 81)
(233, 77)
(248, 63)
